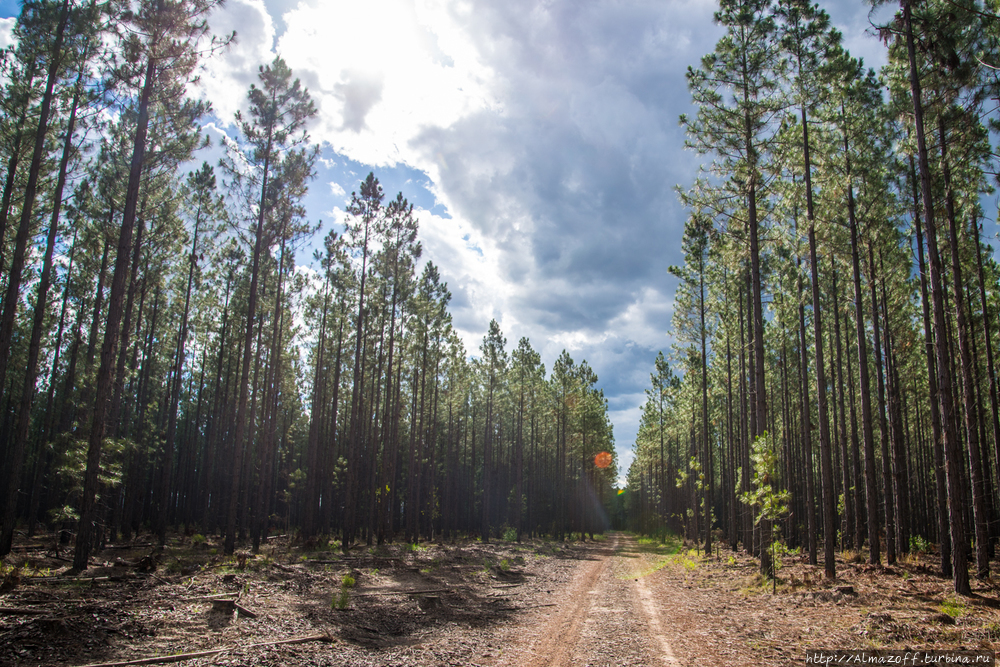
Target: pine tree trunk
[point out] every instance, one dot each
(16, 271)
(805, 417)
(871, 489)
(850, 496)
(937, 437)
(15, 458)
(970, 409)
(952, 453)
(889, 512)
(826, 458)
(103, 388)
(239, 435)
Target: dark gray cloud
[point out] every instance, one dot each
(571, 172)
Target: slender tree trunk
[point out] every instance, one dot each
(175, 392)
(704, 414)
(952, 453)
(871, 489)
(937, 436)
(239, 436)
(15, 458)
(805, 418)
(970, 409)
(889, 512)
(14, 275)
(900, 478)
(16, 145)
(88, 511)
(851, 529)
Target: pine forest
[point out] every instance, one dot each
(187, 350)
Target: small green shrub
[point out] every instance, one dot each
(342, 599)
(347, 581)
(919, 545)
(510, 535)
(198, 539)
(954, 607)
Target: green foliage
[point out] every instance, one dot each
(954, 606)
(919, 544)
(768, 503)
(341, 600)
(510, 535)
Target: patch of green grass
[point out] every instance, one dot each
(689, 560)
(505, 565)
(954, 607)
(755, 585)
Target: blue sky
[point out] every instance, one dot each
(539, 141)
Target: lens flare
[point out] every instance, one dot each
(602, 460)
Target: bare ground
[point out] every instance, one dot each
(613, 602)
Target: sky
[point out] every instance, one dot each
(538, 140)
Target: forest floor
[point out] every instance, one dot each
(617, 601)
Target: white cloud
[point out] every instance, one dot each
(7, 32)
(382, 70)
(228, 75)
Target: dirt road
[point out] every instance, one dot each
(607, 615)
(615, 602)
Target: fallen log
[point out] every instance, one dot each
(181, 657)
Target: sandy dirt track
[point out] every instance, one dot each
(606, 615)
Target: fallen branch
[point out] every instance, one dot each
(244, 611)
(22, 611)
(340, 561)
(428, 590)
(143, 545)
(73, 580)
(31, 547)
(181, 657)
(205, 598)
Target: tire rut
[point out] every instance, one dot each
(606, 615)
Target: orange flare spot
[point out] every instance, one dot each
(602, 460)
